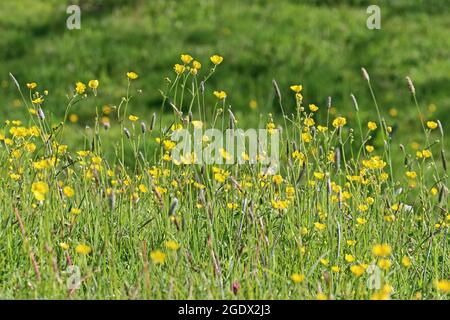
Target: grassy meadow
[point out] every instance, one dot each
(95, 206)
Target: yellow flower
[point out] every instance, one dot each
(313, 107)
(253, 104)
(96, 160)
(363, 207)
(220, 175)
(83, 249)
(133, 118)
(38, 100)
(231, 205)
(158, 257)
(384, 176)
(142, 188)
(349, 258)
(297, 155)
(442, 285)
(381, 250)
(319, 175)
(411, 174)
(335, 269)
(277, 179)
(31, 85)
(384, 264)
(220, 94)
(15, 176)
(197, 124)
(73, 118)
(176, 126)
(132, 75)
(39, 189)
(304, 231)
(434, 191)
(432, 124)
(19, 131)
(393, 112)
(75, 211)
(370, 148)
(309, 122)
(93, 84)
(186, 58)
(406, 261)
(357, 270)
(374, 163)
(80, 87)
(351, 243)
(280, 204)
(382, 294)
(68, 191)
(216, 59)
(64, 245)
(296, 88)
(172, 245)
(339, 122)
(361, 221)
(41, 164)
(321, 296)
(319, 226)
(427, 153)
(297, 278)
(371, 125)
(306, 137)
(325, 262)
(197, 65)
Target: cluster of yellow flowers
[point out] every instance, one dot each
(316, 188)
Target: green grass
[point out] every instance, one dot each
(324, 46)
(254, 244)
(263, 232)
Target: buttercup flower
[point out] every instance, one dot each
(68, 191)
(93, 84)
(158, 257)
(179, 68)
(381, 250)
(80, 87)
(297, 278)
(220, 94)
(371, 125)
(133, 118)
(172, 245)
(39, 189)
(432, 125)
(132, 75)
(196, 65)
(186, 58)
(83, 249)
(216, 59)
(339, 122)
(296, 88)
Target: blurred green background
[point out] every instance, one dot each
(320, 44)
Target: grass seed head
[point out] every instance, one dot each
(411, 87)
(173, 206)
(365, 74)
(277, 89)
(355, 103)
